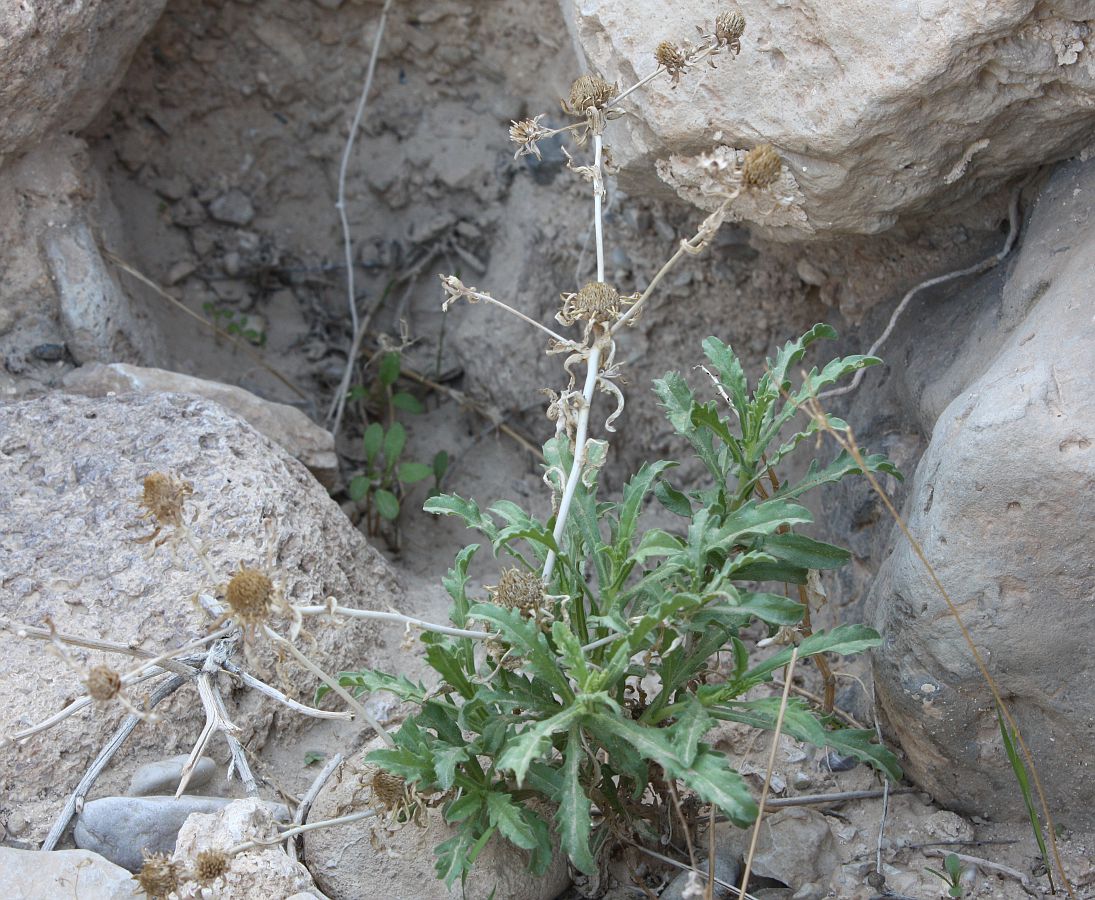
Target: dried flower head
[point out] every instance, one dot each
(729, 27)
(211, 865)
(389, 789)
(588, 92)
(761, 167)
(103, 683)
(163, 499)
(597, 302)
(158, 877)
(518, 590)
(673, 58)
(250, 594)
(526, 133)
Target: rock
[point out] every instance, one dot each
(398, 861)
(58, 290)
(879, 112)
(48, 352)
(835, 762)
(47, 875)
(726, 870)
(162, 776)
(1000, 503)
(121, 828)
(797, 847)
(70, 477)
(60, 62)
(285, 425)
(232, 208)
(261, 872)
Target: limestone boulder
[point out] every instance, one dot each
(881, 112)
(71, 471)
(61, 61)
(1001, 502)
(44, 875)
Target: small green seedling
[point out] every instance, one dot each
(952, 877)
(234, 323)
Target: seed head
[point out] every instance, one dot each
(588, 92)
(211, 865)
(389, 789)
(596, 302)
(158, 877)
(526, 133)
(163, 498)
(518, 590)
(250, 594)
(729, 27)
(673, 58)
(103, 683)
(761, 167)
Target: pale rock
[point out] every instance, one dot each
(377, 860)
(71, 470)
(259, 872)
(797, 847)
(60, 61)
(163, 776)
(880, 112)
(1001, 505)
(232, 208)
(49, 874)
(123, 829)
(285, 425)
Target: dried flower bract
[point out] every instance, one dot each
(163, 499)
(729, 27)
(250, 594)
(158, 877)
(673, 58)
(518, 590)
(526, 133)
(211, 865)
(588, 92)
(596, 303)
(103, 683)
(389, 789)
(761, 167)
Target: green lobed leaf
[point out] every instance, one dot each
(506, 816)
(839, 468)
(689, 729)
(533, 743)
(572, 819)
(844, 639)
(394, 442)
(359, 487)
(411, 472)
(673, 500)
(388, 372)
(805, 552)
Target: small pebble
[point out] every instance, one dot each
(834, 762)
(48, 352)
(802, 781)
(162, 776)
(728, 871)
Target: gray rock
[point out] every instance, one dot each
(121, 828)
(1001, 505)
(61, 61)
(727, 870)
(232, 208)
(47, 875)
(162, 776)
(285, 425)
(796, 847)
(877, 109)
(70, 478)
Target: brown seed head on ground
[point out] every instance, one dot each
(588, 92)
(158, 877)
(211, 865)
(729, 27)
(163, 498)
(389, 789)
(103, 683)
(250, 594)
(518, 590)
(761, 167)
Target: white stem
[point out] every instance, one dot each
(344, 165)
(332, 683)
(334, 609)
(582, 432)
(301, 829)
(598, 192)
(459, 290)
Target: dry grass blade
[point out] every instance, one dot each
(239, 343)
(768, 774)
